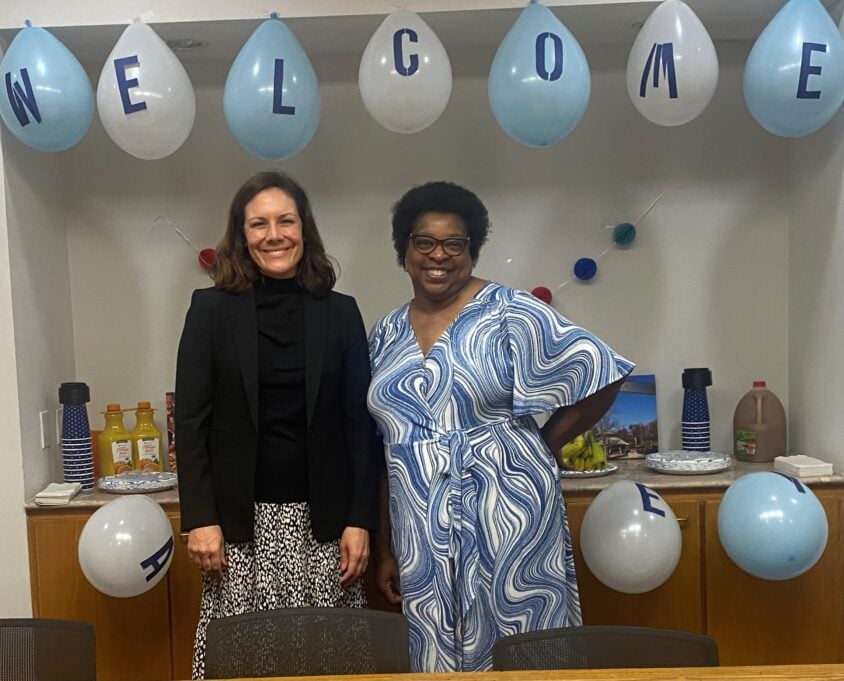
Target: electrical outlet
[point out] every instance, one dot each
(59, 417)
(44, 422)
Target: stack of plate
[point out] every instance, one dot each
(688, 463)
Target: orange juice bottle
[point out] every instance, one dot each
(146, 441)
(114, 443)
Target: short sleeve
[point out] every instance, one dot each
(555, 363)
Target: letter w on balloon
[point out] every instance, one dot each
(22, 98)
(660, 60)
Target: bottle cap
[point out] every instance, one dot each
(113, 407)
(697, 378)
(74, 393)
(759, 384)
(143, 405)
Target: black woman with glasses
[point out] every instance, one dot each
(474, 540)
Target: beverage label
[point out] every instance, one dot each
(121, 454)
(148, 454)
(745, 443)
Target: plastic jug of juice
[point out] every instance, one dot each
(759, 430)
(114, 443)
(146, 440)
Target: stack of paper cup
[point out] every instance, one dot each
(77, 454)
(695, 423)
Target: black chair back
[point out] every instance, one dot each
(603, 647)
(47, 650)
(307, 642)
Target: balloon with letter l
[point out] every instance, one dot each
(772, 525)
(46, 99)
(794, 76)
(630, 538)
(539, 82)
(271, 98)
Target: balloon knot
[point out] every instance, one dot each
(273, 15)
(28, 23)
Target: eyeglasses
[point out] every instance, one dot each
(453, 245)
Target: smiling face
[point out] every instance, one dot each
(437, 276)
(273, 231)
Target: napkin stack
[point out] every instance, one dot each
(57, 494)
(801, 466)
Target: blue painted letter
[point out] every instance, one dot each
(278, 91)
(158, 560)
(18, 98)
(806, 70)
(541, 66)
(647, 495)
(661, 58)
(123, 84)
(398, 57)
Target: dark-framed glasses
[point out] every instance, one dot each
(453, 245)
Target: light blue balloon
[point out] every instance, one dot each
(271, 98)
(46, 99)
(794, 76)
(772, 525)
(539, 82)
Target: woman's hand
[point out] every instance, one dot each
(387, 578)
(354, 554)
(206, 549)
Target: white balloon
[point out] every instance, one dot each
(630, 538)
(405, 75)
(126, 546)
(144, 97)
(672, 70)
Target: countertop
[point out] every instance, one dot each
(627, 470)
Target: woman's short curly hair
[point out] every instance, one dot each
(440, 197)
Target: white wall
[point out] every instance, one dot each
(708, 268)
(14, 587)
(816, 284)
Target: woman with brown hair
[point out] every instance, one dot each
(277, 454)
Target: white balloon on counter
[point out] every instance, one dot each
(672, 70)
(126, 546)
(144, 97)
(405, 74)
(630, 538)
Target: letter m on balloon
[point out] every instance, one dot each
(660, 61)
(22, 97)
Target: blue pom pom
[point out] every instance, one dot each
(624, 234)
(585, 269)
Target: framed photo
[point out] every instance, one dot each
(629, 428)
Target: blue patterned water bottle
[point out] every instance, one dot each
(77, 454)
(695, 424)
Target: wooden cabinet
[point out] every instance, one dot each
(754, 621)
(677, 604)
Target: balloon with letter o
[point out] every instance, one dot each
(126, 546)
(772, 525)
(630, 538)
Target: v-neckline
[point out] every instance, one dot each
(445, 331)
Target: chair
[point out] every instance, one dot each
(603, 647)
(306, 642)
(47, 650)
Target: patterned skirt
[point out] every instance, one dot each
(282, 567)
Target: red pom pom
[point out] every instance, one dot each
(206, 257)
(543, 294)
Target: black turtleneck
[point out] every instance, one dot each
(281, 474)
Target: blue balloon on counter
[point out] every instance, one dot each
(794, 76)
(539, 82)
(772, 525)
(46, 99)
(271, 98)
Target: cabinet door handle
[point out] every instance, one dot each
(682, 522)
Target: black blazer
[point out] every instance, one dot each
(217, 415)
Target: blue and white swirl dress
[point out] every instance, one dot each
(478, 524)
